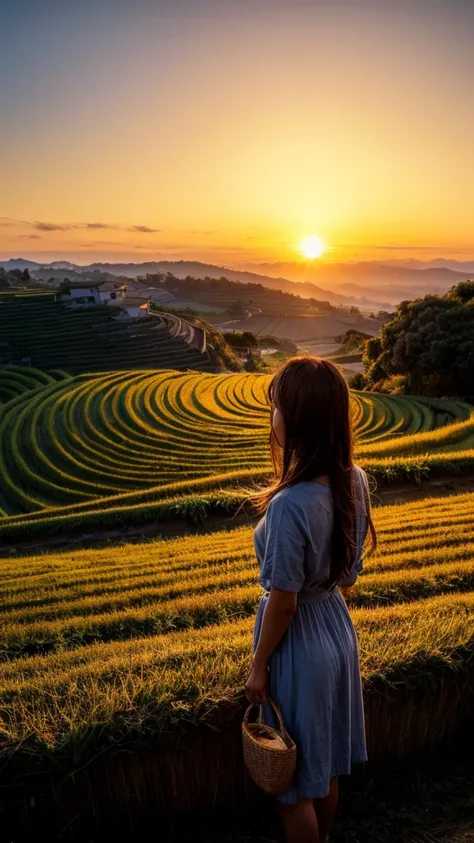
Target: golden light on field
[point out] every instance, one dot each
(312, 246)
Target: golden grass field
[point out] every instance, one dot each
(124, 664)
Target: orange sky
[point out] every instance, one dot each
(227, 134)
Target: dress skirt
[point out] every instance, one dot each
(315, 680)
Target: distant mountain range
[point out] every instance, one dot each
(392, 281)
(368, 285)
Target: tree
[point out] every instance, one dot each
(65, 287)
(242, 339)
(357, 381)
(372, 350)
(430, 341)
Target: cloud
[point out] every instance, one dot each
(51, 226)
(40, 225)
(86, 226)
(28, 237)
(97, 225)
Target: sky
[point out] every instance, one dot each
(228, 130)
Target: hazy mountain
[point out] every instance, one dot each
(413, 263)
(181, 269)
(368, 284)
(19, 263)
(369, 278)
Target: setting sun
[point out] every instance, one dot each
(312, 246)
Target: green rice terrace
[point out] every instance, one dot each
(55, 336)
(124, 447)
(121, 667)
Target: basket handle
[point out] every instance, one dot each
(275, 709)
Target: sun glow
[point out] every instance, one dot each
(312, 246)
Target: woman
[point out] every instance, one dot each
(309, 544)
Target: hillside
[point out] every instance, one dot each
(299, 329)
(224, 294)
(122, 669)
(182, 269)
(36, 326)
(370, 285)
(369, 280)
(123, 664)
(128, 448)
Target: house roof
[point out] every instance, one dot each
(83, 285)
(112, 285)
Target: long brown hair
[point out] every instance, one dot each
(313, 398)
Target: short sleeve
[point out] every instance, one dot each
(285, 543)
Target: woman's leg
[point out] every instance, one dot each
(326, 809)
(299, 821)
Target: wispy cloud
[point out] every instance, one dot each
(51, 226)
(97, 225)
(40, 225)
(143, 229)
(28, 237)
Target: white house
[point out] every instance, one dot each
(85, 294)
(112, 293)
(79, 295)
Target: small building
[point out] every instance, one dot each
(74, 294)
(133, 308)
(112, 293)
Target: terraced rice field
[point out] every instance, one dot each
(140, 641)
(77, 340)
(130, 647)
(16, 380)
(118, 445)
(302, 328)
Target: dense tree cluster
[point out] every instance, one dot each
(242, 339)
(14, 278)
(427, 348)
(244, 291)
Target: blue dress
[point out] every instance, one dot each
(314, 673)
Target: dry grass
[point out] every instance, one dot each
(147, 637)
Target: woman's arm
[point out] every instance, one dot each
(279, 611)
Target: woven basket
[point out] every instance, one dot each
(269, 754)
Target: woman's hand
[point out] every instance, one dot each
(256, 684)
